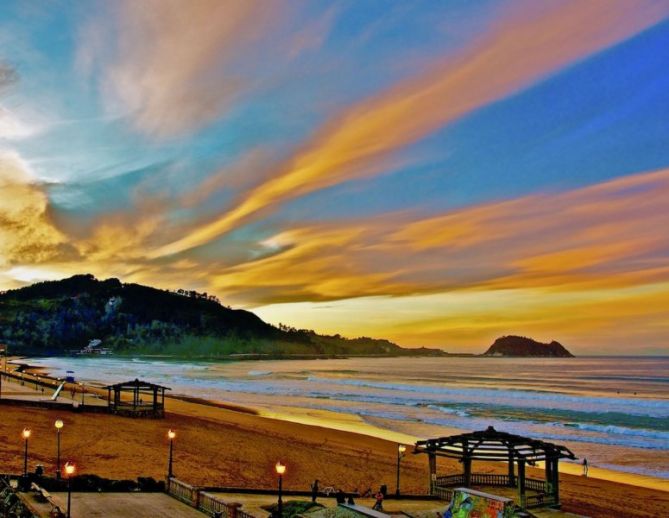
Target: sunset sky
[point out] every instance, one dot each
(435, 173)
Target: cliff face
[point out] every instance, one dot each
(522, 346)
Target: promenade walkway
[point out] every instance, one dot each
(29, 390)
(253, 504)
(119, 505)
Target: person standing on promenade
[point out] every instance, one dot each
(314, 490)
(585, 467)
(378, 506)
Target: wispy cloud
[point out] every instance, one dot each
(582, 261)
(178, 65)
(605, 236)
(516, 53)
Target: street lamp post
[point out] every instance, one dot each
(171, 434)
(69, 471)
(400, 453)
(59, 425)
(3, 350)
(280, 470)
(26, 435)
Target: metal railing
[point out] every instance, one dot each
(539, 500)
(450, 480)
(443, 493)
(489, 479)
(535, 485)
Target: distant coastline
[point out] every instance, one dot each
(82, 315)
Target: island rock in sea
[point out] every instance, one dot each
(523, 346)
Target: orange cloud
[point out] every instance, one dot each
(27, 232)
(605, 236)
(582, 262)
(517, 53)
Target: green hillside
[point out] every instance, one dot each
(59, 317)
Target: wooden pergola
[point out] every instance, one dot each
(148, 399)
(492, 446)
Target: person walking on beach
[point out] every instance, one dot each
(314, 490)
(585, 467)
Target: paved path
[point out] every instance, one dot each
(253, 504)
(13, 389)
(554, 513)
(126, 505)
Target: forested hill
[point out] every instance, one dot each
(55, 317)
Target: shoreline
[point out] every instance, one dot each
(341, 422)
(350, 423)
(217, 446)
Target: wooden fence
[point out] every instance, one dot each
(444, 493)
(539, 500)
(489, 479)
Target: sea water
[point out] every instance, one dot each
(612, 410)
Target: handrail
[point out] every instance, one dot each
(210, 504)
(488, 479)
(181, 491)
(539, 500)
(443, 493)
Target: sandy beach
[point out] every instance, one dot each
(219, 446)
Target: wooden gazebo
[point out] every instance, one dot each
(492, 446)
(148, 399)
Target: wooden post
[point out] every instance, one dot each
(512, 475)
(549, 475)
(467, 464)
(521, 481)
(467, 461)
(556, 482)
(432, 462)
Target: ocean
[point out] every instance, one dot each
(612, 410)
